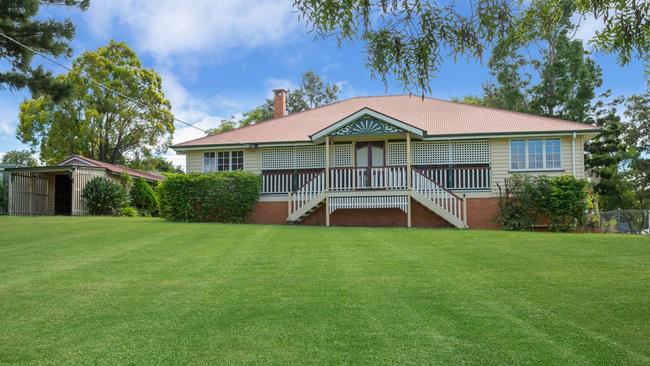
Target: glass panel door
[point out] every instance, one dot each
(369, 172)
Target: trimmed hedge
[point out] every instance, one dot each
(222, 196)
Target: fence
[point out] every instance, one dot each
(626, 221)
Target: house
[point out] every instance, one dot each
(56, 190)
(390, 160)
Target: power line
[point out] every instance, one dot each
(142, 104)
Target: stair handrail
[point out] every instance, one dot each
(306, 192)
(441, 196)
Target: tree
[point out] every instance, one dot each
(408, 39)
(540, 70)
(19, 157)
(225, 126)
(19, 20)
(638, 128)
(95, 122)
(312, 93)
(604, 156)
(153, 164)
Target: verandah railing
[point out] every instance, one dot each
(467, 177)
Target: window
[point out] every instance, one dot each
(209, 162)
(518, 154)
(223, 161)
(535, 154)
(553, 154)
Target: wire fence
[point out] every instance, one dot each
(626, 221)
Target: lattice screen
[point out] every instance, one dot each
(454, 152)
(341, 155)
(299, 157)
(470, 152)
(278, 158)
(430, 152)
(309, 157)
(396, 153)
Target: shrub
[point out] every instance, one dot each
(128, 211)
(144, 198)
(526, 199)
(223, 196)
(104, 197)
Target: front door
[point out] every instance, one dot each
(370, 164)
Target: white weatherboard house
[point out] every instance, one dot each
(390, 160)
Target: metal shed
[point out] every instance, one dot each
(56, 190)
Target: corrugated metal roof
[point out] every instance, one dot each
(435, 116)
(118, 169)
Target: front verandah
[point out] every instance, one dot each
(372, 179)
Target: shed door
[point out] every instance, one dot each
(63, 195)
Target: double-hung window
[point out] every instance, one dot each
(535, 154)
(223, 161)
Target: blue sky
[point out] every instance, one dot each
(220, 58)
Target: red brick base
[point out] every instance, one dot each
(269, 213)
(480, 214)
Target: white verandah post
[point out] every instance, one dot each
(408, 177)
(327, 180)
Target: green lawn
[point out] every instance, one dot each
(143, 291)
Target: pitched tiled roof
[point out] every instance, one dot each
(435, 116)
(117, 169)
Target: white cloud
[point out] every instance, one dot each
(8, 117)
(172, 27)
(587, 27)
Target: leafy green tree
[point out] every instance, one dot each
(408, 39)
(225, 126)
(19, 157)
(540, 70)
(638, 128)
(603, 157)
(95, 122)
(153, 164)
(312, 93)
(20, 21)
(639, 178)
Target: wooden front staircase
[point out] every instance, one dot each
(312, 195)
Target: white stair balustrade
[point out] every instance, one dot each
(306, 198)
(438, 199)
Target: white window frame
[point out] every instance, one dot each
(528, 169)
(216, 160)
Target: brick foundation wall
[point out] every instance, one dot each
(480, 212)
(269, 213)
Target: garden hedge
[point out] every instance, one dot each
(222, 196)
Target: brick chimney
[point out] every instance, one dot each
(279, 103)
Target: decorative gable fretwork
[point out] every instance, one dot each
(440, 152)
(366, 125)
(305, 157)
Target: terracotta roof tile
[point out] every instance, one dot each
(435, 116)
